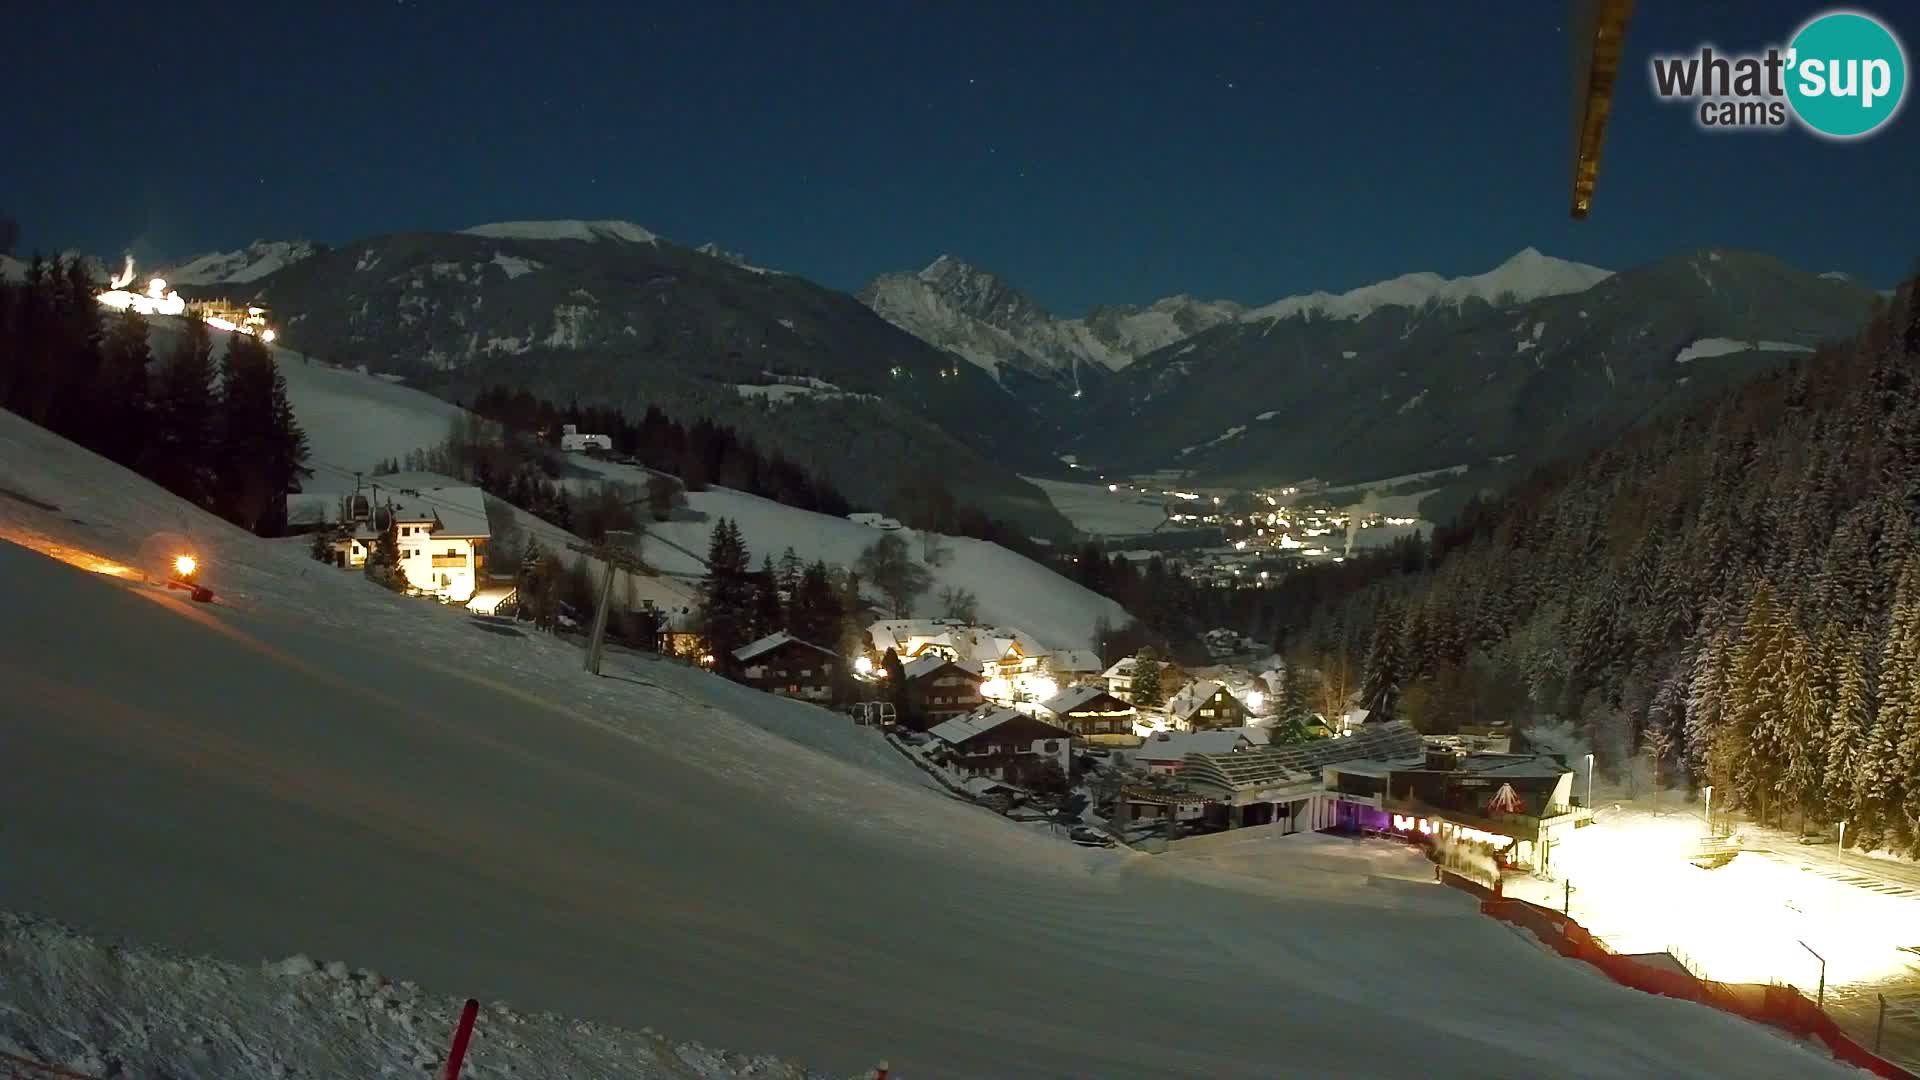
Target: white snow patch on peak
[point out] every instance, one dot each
(714, 251)
(12, 269)
(946, 266)
(1837, 275)
(1348, 354)
(1710, 347)
(625, 231)
(255, 261)
(1528, 275)
(514, 265)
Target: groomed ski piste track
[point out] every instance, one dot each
(314, 767)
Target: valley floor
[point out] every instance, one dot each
(314, 765)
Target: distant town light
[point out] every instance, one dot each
(1113, 487)
(864, 665)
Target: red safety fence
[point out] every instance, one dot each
(1781, 1006)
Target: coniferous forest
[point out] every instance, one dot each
(1728, 597)
(220, 435)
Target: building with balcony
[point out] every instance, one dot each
(785, 665)
(1003, 744)
(1093, 715)
(440, 533)
(939, 689)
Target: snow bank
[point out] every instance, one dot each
(99, 1009)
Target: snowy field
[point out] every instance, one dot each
(1098, 512)
(1013, 590)
(318, 766)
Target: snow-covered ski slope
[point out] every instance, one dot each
(315, 765)
(355, 420)
(1013, 590)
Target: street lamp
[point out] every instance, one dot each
(1709, 809)
(1589, 783)
(1840, 849)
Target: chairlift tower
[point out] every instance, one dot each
(618, 552)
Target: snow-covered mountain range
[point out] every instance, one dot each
(980, 317)
(1416, 372)
(251, 263)
(1534, 358)
(1528, 275)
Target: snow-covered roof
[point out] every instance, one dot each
(1176, 745)
(981, 644)
(1121, 669)
(456, 510)
(1516, 766)
(771, 642)
(1191, 697)
(985, 785)
(932, 662)
(1075, 660)
(1367, 766)
(961, 728)
(1072, 698)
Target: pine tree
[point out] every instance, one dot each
(769, 616)
(286, 451)
(248, 445)
(1148, 693)
(1848, 721)
(815, 613)
(1295, 706)
(1899, 717)
(182, 451)
(726, 596)
(792, 569)
(1800, 738)
(1757, 691)
(120, 398)
(1707, 727)
(1386, 666)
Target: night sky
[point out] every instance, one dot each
(1091, 153)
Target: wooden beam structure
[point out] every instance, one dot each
(1599, 35)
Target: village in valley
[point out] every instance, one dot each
(1100, 749)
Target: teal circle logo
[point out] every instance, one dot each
(1847, 74)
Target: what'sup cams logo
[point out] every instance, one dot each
(1843, 75)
